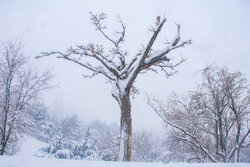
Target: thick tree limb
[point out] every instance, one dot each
(95, 70)
(232, 152)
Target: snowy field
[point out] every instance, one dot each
(27, 158)
(22, 161)
(29, 161)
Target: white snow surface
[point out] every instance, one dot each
(31, 146)
(27, 158)
(26, 161)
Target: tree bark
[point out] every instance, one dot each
(222, 144)
(3, 136)
(126, 129)
(237, 153)
(3, 145)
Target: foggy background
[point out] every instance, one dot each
(220, 31)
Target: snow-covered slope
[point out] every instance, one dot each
(30, 146)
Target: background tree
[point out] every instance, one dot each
(72, 128)
(146, 147)
(20, 86)
(212, 122)
(56, 142)
(89, 147)
(72, 139)
(44, 126)
(120, 70)
(107, 139)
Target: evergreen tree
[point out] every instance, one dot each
(56, 143)
(43, 127)
(89, 147)
(56, 148)
(72, 128)
(107, 138)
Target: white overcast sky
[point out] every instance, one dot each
(220, 30)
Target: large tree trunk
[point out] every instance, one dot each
(125, 129)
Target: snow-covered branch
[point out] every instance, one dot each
(214, 118)
(146, 59)
(189, 137)
(159, 56)
(232, 152)
(95, 69)
(98, 21)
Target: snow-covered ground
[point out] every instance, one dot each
(26, 161)
(27, 158)
(31, 161)
(30, 147)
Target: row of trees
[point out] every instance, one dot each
(212, 123)
(72, 139)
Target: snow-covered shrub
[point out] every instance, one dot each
(64, 154)
(107, 139)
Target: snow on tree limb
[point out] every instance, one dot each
(157, 107)
(212, 120)
(121, 70)
(69, 57)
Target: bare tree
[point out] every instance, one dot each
(212, 122)
(120, 70)
(146, 147)
(19, 87)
